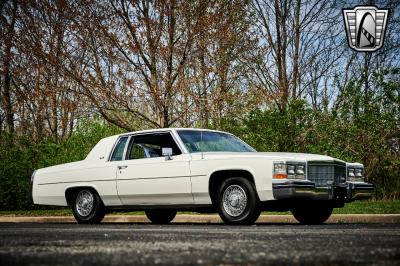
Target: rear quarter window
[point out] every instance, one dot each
(118, 152)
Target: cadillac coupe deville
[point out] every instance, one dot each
(165, 170)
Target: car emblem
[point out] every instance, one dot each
(365, 27)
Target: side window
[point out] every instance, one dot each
(137, 152)
(119, 149)
(150, 145)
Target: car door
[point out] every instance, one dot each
(145, 177)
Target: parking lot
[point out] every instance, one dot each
(183, 244)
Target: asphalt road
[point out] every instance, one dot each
(204, 244)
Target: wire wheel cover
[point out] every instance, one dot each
(234, 200)
(84, 203)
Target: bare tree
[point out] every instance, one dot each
(42, 101)
(137, 62)
(221, 76)
(298, 47)
(8, 25)
(128, 58)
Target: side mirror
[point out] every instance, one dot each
(167, 152)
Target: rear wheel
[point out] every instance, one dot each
(160, 216)
(312, 214)
(88, 207)
(237, 201)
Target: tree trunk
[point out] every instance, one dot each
(165, 122)
(279, 53)
(367, 58)
(7, 94)
(296, 49)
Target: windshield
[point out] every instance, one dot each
(208, 141)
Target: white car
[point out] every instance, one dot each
(165, 170)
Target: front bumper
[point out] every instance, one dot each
(347, 191)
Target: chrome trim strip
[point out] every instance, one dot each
(346, 192)
(107, 180)
(69, 182)
(291, 186)
(157, 177)
(132, 135)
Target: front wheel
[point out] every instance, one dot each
(312, 214)
(237, 201)
(160, 216)
(88, 207)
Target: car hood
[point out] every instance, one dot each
(272, 156)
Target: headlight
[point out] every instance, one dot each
(355, 174)
(351, 172)
(289, 170)
(300, 171)
(359, 172)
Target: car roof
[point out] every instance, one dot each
(169, 129)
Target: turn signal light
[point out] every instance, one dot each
(280, 176)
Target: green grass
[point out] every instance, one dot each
(52, 212)
(363, 207)
(370, 207)
(357, 207)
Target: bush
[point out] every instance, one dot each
(19, 156)
(368, 136)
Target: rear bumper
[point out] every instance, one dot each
(305, 189)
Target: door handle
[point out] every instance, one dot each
(122, 167)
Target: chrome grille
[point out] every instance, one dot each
(322, 172)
